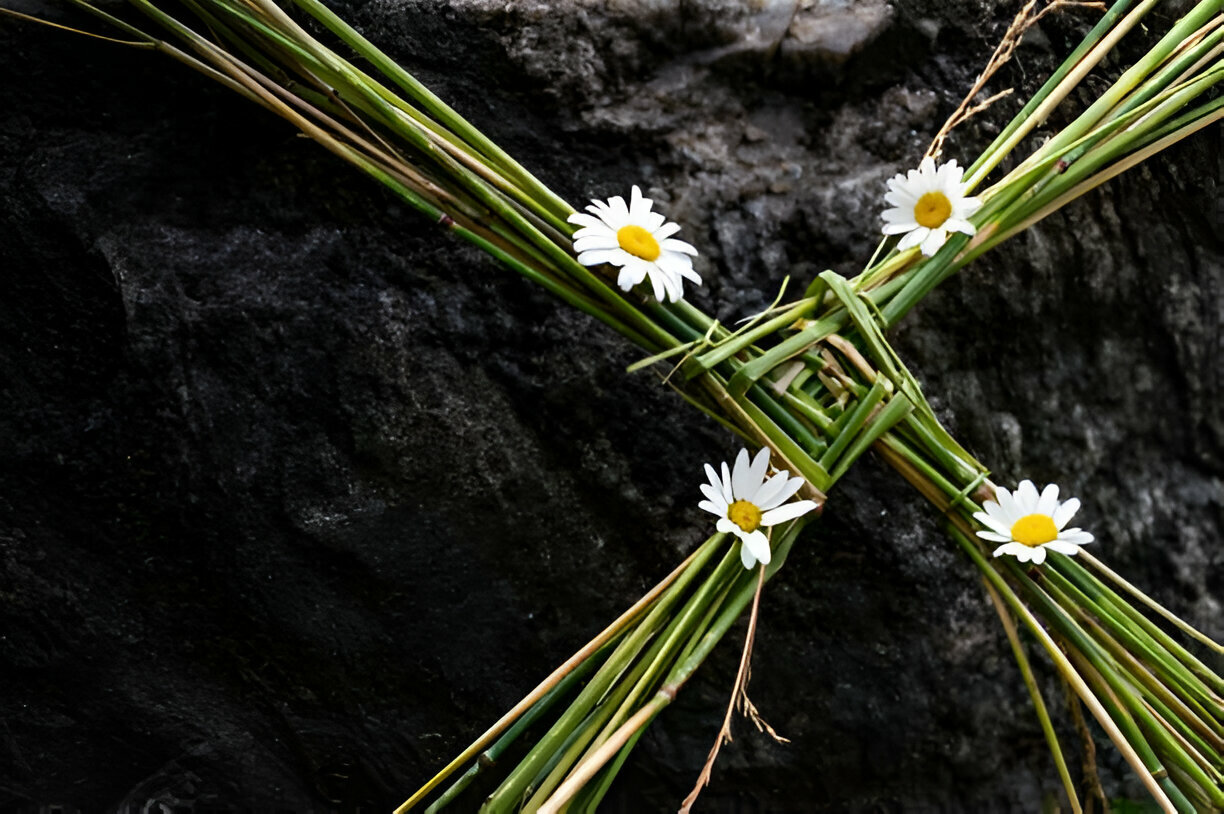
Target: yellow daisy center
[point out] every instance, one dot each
(745, 515)
(931, 210)
(1034, 530)
(638, 242)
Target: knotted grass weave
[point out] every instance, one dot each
(812, 378)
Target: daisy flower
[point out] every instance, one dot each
(745, 500)
(638, 241)
(929, 203)
(1028, 523)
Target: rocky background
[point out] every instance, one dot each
(299, 496)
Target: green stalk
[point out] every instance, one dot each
(435, 106)
(513, 788)
(1099, 41)
(1043, 715)
(489, 757)
(676, 679)
(1068, 672)
(656, 662)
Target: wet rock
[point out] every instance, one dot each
(299, 495)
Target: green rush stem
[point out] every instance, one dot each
(527, 233)
(490, 756)
(1132, 77)
(1205, 683)
(1156, 607)
(1072, 71)
(1043, 714)
(512, 789)
(166, 48)
(1213, 112)
(1117, 143)
(383, 105)
(675, 680)
(555, 768)
(435, 106)
(1109, 669)
(1117, 709)
(694, 560)
(1065, 668)
(591, 795)
(360, 90)
(1191, 692)
(299, 40)
(561, 257)
(656, 663)
(1192, 726)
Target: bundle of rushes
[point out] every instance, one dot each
(813, 379)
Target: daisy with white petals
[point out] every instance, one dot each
(1028, 523)
(745, 500)
(638, 241)
(929, 203)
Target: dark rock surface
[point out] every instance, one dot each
(298, 497)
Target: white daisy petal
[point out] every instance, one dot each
(954, 174)
(758, 544)
(618, 207)
(788, 491)
(1063, 514)
(1017, 550)
(934, 241)
(631, 234)
(965, 207)
(899, 228)
(675, 287)
(1012, 506)
(674, 263)
(597, 257)
(959, 225)
(714, 494)
(900, 198)
(657, 283)
(748, 481)
(630, 275)
(993, 509)
(672, 244)
(913, 239)
(639, 207)
(587, 221)
(760, 467)
(920, 224)
(1048, 501)
(1009, 511)
(1027, 497)
(596, 241)
(994, 524)
(746, 557)
(771, 490)
(691, 276)
(788, 512)
(741, 477)
(665, 230)
(1070, 549)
